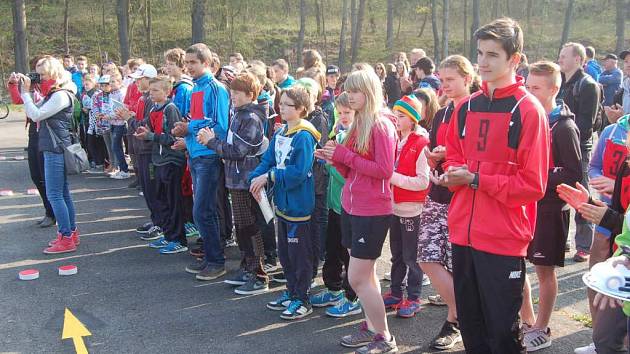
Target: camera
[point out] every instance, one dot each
(36, 78)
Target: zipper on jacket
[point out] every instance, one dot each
(350, 188)
(472, 208)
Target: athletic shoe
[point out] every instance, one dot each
(230, 243)
(47, 222)
(357, 340)
(122, 175)
(197, 252)
(211, 272)
(253, 286)
(387, 276)
(425, 280)
(589, 349)
(379, 345)
(239, 277)
(536, 339)
(436, 300)
(580, 256)
(279, 278)
(197, 267)
(95, 170)
(344, 308)
(191, 229)
(391, 301)
(281, 303)
(297, 309)
(74, 235)
(326, 298)
(62, 245)
(145, 228)
(407, 308)
(159, 243)
(173, 247)
(269, 267)
(447, 338)
(154, 233)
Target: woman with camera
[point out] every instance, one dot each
(53, 115)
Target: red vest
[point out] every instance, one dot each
(406, 165)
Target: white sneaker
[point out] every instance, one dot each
(589, 349)
(425, 280)
(122, 175)
(387, 276)
(536, 339)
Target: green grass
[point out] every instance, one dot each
(584, 319)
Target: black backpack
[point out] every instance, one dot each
(600, 114)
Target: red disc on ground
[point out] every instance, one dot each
(68, 270)
(28, 274)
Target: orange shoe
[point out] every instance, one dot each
(62, 245)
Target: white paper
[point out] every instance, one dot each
(265, 207)
(282, 149)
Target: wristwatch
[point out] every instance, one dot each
(475, 182)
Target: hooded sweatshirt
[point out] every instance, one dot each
(244, 146)
(493, 218)
(181, 94)
(430, 81)
(289, 165)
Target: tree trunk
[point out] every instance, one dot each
(436, 35)
(530, 4)
(321, 6)
(566, 29)
(445, 13)
(342, 35)
(20, 40)
(390, 25)
(353, 21)
(198, 21)
(357, 38)
(122, 13)
(318, 18)
(66, 44)
(465, 39)
(495, 9)
(149, 28)
(621, 7)
(300, 44)
(473, 28)
(424, 24)
(508, 9)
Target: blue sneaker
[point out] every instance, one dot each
(325, 298)
(173, 247)
(408, 308)
(159, 243)
(344, 308)
(191, 230)
(296, 310)
(281, 303)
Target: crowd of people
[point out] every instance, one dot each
(470, 169)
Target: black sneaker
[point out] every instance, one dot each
(211, 272)
(296, 310)
(239, 277)
(133, 184)
(279, 278)
(253, 286)
(197, 267)
(144, 229)
(154, 233)
(447, 338)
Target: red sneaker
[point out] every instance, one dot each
(62, 245)
(391, 301)
(75, 238)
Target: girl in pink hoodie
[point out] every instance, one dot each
(366, 161)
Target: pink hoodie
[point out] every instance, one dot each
(367, 191)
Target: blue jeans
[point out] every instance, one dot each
(205, 175)
(58, 192)
(118, 131)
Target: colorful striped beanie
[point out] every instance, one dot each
(411, 106)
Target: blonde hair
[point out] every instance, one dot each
(163, 81)
(430, 101)
(548, 69)
(53, 68)
(342, 100)
(366, 82)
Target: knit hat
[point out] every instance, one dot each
(411, 106)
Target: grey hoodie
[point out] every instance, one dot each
(161, 153)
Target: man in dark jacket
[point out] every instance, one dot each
(581, 94)
(546, 251)
(610, 79)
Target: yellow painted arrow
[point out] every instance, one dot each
(73, 328)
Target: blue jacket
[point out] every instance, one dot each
(77, 78)
(593, 68)
(611, 80)
(209, 107)
(181, 94)
(291, 171)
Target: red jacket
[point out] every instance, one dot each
(407, 166)
(132, 96)
(513, 170)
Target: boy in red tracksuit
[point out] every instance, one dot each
(497, 160)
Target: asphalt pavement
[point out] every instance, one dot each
(134, 300)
